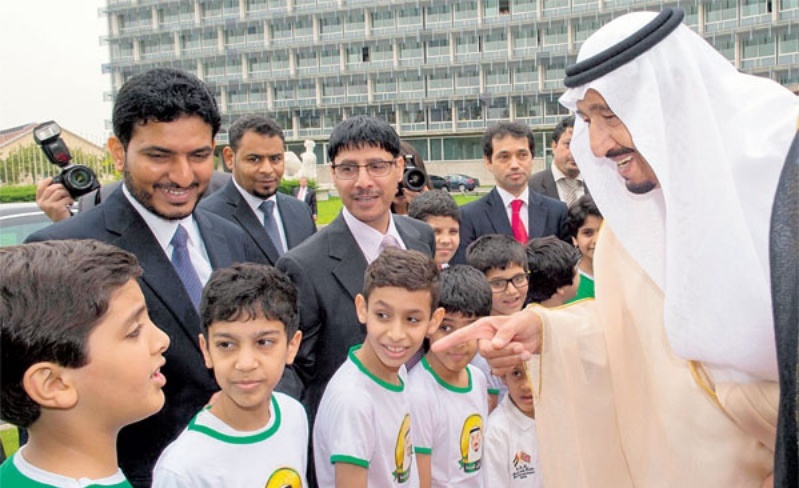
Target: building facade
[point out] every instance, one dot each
(440, 71)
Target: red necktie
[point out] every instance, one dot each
(519, 232)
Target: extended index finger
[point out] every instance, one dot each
(478, 330)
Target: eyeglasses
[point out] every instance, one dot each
(500, 284)
(350, 171)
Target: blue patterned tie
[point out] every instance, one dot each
(182, 263)
(267, 207)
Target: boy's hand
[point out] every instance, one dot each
(53, 200)
(504, 340)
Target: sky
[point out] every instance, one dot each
(50, 65)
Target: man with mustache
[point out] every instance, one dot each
(670, 377)
(328, 268)
(510, 208)
(562, 180)
(165, 121)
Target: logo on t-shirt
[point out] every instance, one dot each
(284, 478)
(403, 451)
(522, 466)
(472, 443)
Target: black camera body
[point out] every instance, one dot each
(413, 178)
(77, 179)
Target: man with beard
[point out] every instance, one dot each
(669, 377)
(562, 180)
(165, 121)
(329, 267)
(274, 222)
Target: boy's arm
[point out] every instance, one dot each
(425, 466)
(351, 475)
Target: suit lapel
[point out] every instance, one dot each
(159, 276)
(496, 213)
(345, 250)
(244, 215)
(289, 216)
(411, 237)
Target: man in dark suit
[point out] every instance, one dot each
(561, 181)
(255, 156)
(165, 121)
(307, 195)
(510, 208)
(328, 268)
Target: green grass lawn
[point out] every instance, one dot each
(329, 209)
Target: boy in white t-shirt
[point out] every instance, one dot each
(449, 397)
(511, 452)
(81, 359)
(363, 430)
(250, 435)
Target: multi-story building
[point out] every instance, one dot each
(440, 71)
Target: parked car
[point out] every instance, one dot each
(18, 221)
(462, 182)
(439, 182)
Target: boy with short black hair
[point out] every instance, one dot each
(584, 221)
(553, 271)
(250, 435)
(503, 261)
(80, 360)
(362, 433)
(449, 403)
(438, 209)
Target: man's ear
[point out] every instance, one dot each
(228, 155)
(435, 320)
(293, 347)
(50, 385)
(574, 241)
(117, 151)
(360, 308)
(206, 354)
(487, 162)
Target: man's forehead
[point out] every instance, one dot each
(510, 140)
(592, 102)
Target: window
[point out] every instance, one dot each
(135, 20)
(437, 48)
(467, 82)
(467, 44)
(235, 36)
(331, 56)
(333, 88)
(524, 6)
(750, 8)
(495, 8)
(382, 19)
(306, 89)
(258, 64)
(281, 29)
(725, 45)
(210, 40)
(310, 120)
(355, 22)
(356, 89)
(257, 95)
(553, 108)
(412, 115)
(555, 71)
(439, 14)
(465, 10)
(758, 45)
(330, 25)
(497, 76)
(284, 92)
(280, 61)
(721, 10)
(441, 113)
(122, 49)
(383, 53)
(497, 109)
(555, 34)
(255, 34)
(190, 40)
(524, 38)
(411, 82)
(525, 75)
(585, 26)
(789, 42)
(307, 60)
(176, 14)
(214, 70)
(238, 97)
(469, 111)
(211, 10)
(527, 107)
(330, 119)
(303, 28)
(355, 55)
(495, 42)
(786, 5)
(411, 50)
(463, 148)
(438, 82)
(385, 84)
(256, 6)
(283, 120)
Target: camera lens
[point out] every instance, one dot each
(79, 178)
(413, 179)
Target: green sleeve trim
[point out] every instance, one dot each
(338, 458)
(493, 391)
(423, 450)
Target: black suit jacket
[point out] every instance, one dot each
(544, 183)
(310, 197)
(487, 215)
(230, 205)
(328, 270)
(189, 383)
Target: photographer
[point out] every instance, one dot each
(404, 196)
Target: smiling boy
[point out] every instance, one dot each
(80, 359)
(250, 434)
(361, 435)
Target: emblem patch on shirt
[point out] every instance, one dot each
(472, 443)
(522, 466)
(403, 451)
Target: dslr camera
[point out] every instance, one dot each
(77, 179)
(412, 177)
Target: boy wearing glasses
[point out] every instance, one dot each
(328, 268)
(503, 261)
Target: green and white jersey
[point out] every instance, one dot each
(449, 425)
(363, 420)
(511, 455)
(209, 453)
(16, 472)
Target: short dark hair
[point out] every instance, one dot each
(500, 130)
(363, 131)
(495, 251)
(434, 203)
(162, 95)
(552, 265)
(399, 268)
(259, 124)
(247, 291)
(579, 211)
(464, 290)
(52, 296)
(561, 128)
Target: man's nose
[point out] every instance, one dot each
(601, 142)
(181, 172)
